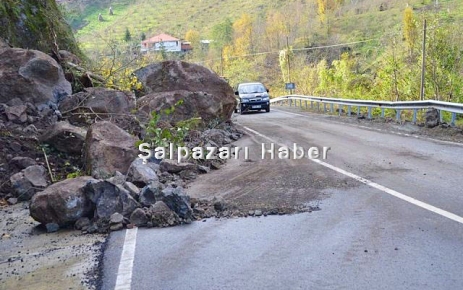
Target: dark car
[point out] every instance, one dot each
(252, 97)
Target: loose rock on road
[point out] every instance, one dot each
(362, 238)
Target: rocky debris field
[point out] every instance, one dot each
(69, 162)
(74, 155)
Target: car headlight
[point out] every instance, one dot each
(265, 98)
(244, 101)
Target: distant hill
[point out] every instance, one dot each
(383, 61)
(354, 20)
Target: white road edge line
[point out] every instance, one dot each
(370, 183)
(378, 130)
(124, 274)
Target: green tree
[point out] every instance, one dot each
(410, 30)
(321, 10)
(325, 78)
(127, 36)
(242, 30)
(222, 34)
(444, 61)
(392, 74)
(193, 37)
(275, 29)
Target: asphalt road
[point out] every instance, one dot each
(399, 227)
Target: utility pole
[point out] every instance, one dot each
(289, 64)
(423, 62)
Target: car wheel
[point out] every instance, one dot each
(268, 109)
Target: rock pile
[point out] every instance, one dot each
(205, 94)
(74, 156)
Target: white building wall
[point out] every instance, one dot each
(168, 46)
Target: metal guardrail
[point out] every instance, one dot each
(453, 108)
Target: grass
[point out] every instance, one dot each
(176, 17)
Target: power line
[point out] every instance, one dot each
(297, 49)
(335, 45)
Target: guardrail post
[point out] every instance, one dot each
(441, 118)
(340, 109)
(414, 116)
(358, 111)
(306, 104)
(398, 115)
(332, 108)
(318, 106)
(290, 102)
(300, 103)
(348, 110)
(454, 119)
(311, 105)
(324, 107)
(382, 113)
(369, 113)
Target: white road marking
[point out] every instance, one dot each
(376, 129)
(124, 274)
(370, 183)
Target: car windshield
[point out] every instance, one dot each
(251, 89)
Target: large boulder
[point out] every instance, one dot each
(17, 114)
(26, 183)
(31, 76)
(108, 149)
(65, 137)
(203, 92)
(432, 118)
(83, 108)
(19, 163)
(195, 104)
(162, 215)
(100, 100)
(139, 217)
(175, 198)
(149, 193)
(110, 198)
(142, 174)
(62, 203)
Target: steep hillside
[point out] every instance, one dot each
(354, 20)
(35, 25)
(175, 17)
(351, 49)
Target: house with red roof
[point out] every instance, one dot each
(162, 42)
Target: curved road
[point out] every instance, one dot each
(398, 225)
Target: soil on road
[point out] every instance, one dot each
(261, 184)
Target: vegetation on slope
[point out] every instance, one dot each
(36, 25)
(353, 49)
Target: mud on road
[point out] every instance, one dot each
(31, 258)
(272, 186)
